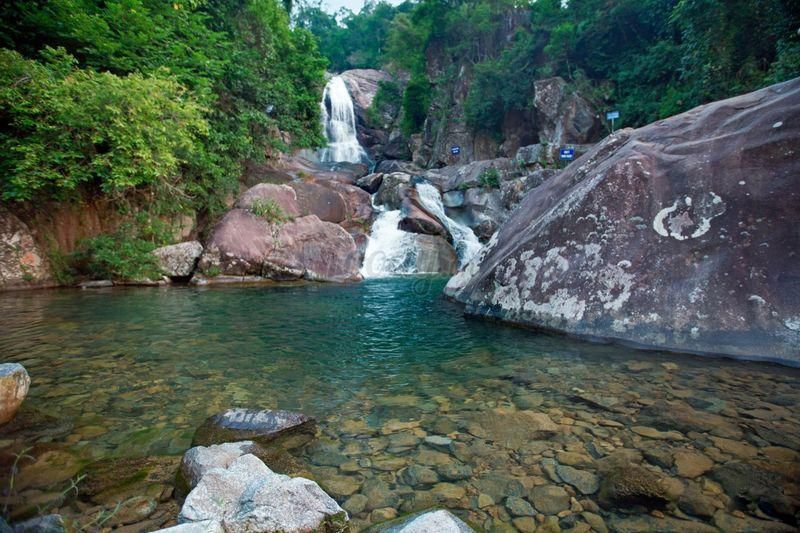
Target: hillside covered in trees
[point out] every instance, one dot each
(649, 59)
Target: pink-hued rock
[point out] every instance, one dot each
(304, 248)
(14, 385)
(679, 235)
(282, 195)
(416, 218)
(22, 263)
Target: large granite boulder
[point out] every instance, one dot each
(178, 260)
(22, 262)
(248, 496)
(304, 248)
(679, 235)
(14, 385)
(283, 196)
(564, 116)
(266, 427)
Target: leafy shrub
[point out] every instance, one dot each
(123, 255)
(269, 210)
(386, 101)
(415, 104)
(489, 178)
(72, 126)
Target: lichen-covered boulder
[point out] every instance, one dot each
(22, 263)
(264, 426)
(14, 385)
(679, 235)
(178, 260)
(248, 496)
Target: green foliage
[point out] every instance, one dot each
(71, 126)
(416, 100)
(162, 98)
(489, 178)
(123, 255)
(269, 210)
(385, 102)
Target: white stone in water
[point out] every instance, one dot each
(206, 526)
(433, 521)
(201, 459)
(248, 496)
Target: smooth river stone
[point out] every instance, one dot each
(286, 429)
(14, 384)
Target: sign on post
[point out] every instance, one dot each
(455, 150)
(566, 154)
(612, 116)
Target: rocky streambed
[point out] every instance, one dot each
(416, 407)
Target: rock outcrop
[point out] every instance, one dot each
(563, 116)
(680, 235)
(22, 262)
(243, 243)
(14, 385)
(178, 260)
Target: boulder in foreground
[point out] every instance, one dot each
(248, 496)
(680, 235)
(14, 385)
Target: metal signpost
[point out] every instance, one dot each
(455, 150)
(612, 116)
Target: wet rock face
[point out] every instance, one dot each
(22, 262)
(14, 385)
(678, 235)
(265, 427)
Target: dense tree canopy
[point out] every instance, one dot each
(124, 94)
(647, 58)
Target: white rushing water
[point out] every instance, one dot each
(465, 241)
(390, 251)
(339, 125)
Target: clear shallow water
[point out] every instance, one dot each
(381, 364)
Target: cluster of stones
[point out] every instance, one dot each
(612, 461)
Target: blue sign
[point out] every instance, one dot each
(567, 153)
(612, 115)
(455, 150)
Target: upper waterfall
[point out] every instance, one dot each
(339, 123)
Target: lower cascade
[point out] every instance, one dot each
(390, 250)
(465, 241)
(339, 125)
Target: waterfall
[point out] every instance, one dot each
(339, 123)
(465, 241)
(390, 251)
